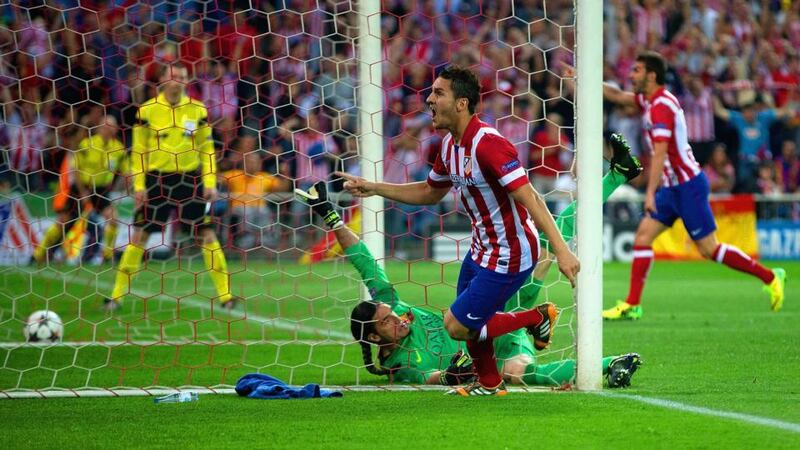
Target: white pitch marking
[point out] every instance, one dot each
(281, 324)
(747, 418)
(152, 343)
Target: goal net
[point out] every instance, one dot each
(281, 83)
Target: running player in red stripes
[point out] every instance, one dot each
(676, 188)
(503, 207)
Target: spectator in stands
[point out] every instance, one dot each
(650, 21)
(550, 151)
(29, 139)
(247, 189)
(218, 90)
(752, 126)
(719, 170)
(405, 163)
(705, 17)
(787, 167)
(698, 107)
(316, 152)
(767, 183)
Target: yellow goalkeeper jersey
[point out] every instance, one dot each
(97, 161)
(172, 139)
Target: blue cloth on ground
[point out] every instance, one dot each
(258, 385)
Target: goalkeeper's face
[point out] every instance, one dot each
(388, 325)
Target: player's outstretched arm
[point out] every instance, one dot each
(567, 261)
(419, 193)
(610, 92)
(720, 110)
(616, 95)
(372, 274)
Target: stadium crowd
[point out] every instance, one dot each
(280, 83)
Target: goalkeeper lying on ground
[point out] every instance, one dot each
(413, 344)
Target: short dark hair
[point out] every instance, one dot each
(362, 324)
(654, 62)
(464, 83)
(168, 68)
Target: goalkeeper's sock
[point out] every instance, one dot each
(565, 222)
(611, 181)
(504, 323)
(51, 238)
(529, 293)
(128, 266)
(485, 363)
(555, 373)
(218, 269)
(109, 240)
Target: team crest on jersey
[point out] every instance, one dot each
(467, 166)
(189, 127)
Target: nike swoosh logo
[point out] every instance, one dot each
(693, 232)
(419, 357)
(471, 317)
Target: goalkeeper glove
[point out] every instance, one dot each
(317, 198)
(460, 370)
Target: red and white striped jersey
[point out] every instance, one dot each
(27, 143)
(664, 122)
(699, 112)
(485, 168)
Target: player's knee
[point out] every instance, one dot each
(706, 252)
(454, 328)
(206, 236)
(642, 240)
(514, 369)
(707, 246)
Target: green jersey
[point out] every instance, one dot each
(428, 347)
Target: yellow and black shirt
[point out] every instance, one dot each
(172, 139)
(97, 161)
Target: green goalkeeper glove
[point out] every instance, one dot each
(460, 370)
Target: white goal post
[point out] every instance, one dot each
(589, 136)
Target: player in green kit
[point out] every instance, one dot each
(623, 168)
(414, 346)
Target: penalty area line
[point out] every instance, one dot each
(683, 407)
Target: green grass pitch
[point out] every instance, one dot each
(707, 338)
